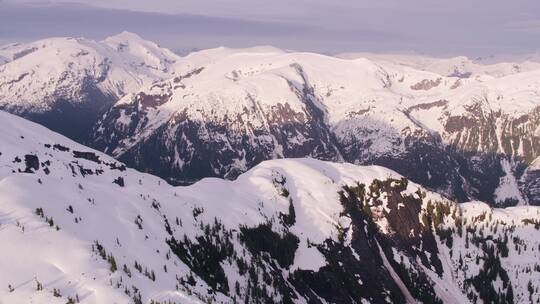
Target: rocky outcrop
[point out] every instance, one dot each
(426, 84)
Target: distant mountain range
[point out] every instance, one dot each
(466, 128)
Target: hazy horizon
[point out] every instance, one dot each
(416, 27)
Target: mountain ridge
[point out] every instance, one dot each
(399, 113)
(470, 134)
(84, 228)
(66, 83)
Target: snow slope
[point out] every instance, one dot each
(41, 73)
(73, 217)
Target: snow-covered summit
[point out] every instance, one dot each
(127, 37)
(41, 73)
(153, 56)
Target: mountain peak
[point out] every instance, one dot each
(124, 37)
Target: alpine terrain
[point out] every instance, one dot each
(66, 83)
(471, 133)
(81, 227)
(469, 129)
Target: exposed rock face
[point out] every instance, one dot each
(484, 130)
(530, 182)
(426, 84)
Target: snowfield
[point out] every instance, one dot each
(79, 226)
(37, 75)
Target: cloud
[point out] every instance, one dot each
(178, 31)
(473, 28)
(524, 26)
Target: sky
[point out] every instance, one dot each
(434, 27)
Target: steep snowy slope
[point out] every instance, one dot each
(82, 227)
(227, 111)
(65, 83)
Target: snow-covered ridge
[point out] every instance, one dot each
(257, 104)
(39, 73)
(460, 66)
(221, 111)
(80, 225)
(375, 89)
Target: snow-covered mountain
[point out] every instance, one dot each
(81, 227)
(65, 83)
(460, 66)
(468, 128)
(229, 110)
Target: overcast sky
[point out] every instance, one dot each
(436, 27)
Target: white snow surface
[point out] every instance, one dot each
(106, 212)
(63, 259)
(36, 74)
(508, 187)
